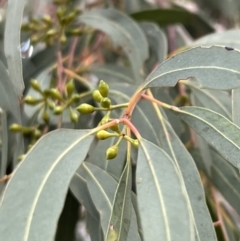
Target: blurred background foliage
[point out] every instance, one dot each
(61, 31)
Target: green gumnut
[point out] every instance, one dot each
(97, 95)
(105, 102)
(35, 85)
(73, 116)
(102, 135)
(45, 116)
(15, 128)
(54, 93)
(70, 86)
(111, 152)
(103, 88)
(75, 98)
(58, 110)
(85, 108)
(32, 101)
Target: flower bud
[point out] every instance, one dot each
(104, 120)
(111, 152)
(35, 85)
(63, 38)
(58, 110)
(73, 116)
(97, 96)
(75, 98)
(103, 88)
(32, 101)
(85, 108)
(15, 128)
(45, 116)
(115, 128)
(135, 143)
(54, 93)
(102, 135)
(105, 102)
(51, 104)
(70, 87)
(37, 133)
(52, 32)
(47, 19)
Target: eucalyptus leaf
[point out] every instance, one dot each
(113, 73)
(12, 43)
(8, 98)
(217, 130)
(206, 99)
(230, 38)
(214, 67)
(102, 189)
(121, 215)
(94, 228)
(45, 188)
(123, 31)
(158, 180)
(235, 106)
(4, 147)
(189, 176)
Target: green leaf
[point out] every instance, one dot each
(211, 66)
(4, 146)
(43, 177)
(69, 216)
(12, 43)
(8, 98)
(189, 176)
(94, 228)
(113, 73)
(171, 16)
(230, 38)
(123, 31)
(121, 214)
(80, 190)
(235, 106)
(217, 130)
(158, 180)
(206, 99)
(156, 39)
(102, 188)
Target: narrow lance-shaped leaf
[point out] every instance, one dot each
(158, 188)
(43, 177)
(121, 214)
(123, 31)
(8, 98)
(191, 180)
(204, 98)
(235, 106)
(211, 66)
(102, 188)
(12, 43)
(217, 130)
(4, 146)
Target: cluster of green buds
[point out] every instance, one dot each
(33, 132)
(50, 97)
(50, 30)
(100, 95)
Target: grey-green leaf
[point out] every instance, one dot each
(214, 67)
(122, 206)
(191, 179)
(43, 177)
(158, 188)
(217, 130)
(235, 106)
(12, 43)
(8, 98)
(123, 31)
(230, 38)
